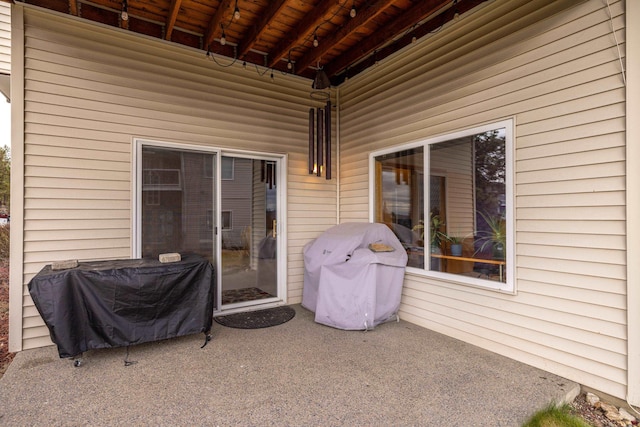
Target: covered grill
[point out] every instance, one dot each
(353, 276)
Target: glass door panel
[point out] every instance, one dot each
(249, 231)
(178, 203)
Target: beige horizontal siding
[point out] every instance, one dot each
(90, 90)
(554, 67)
(5, 38)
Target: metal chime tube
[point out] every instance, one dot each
(312, 147)
(327, 139)
(271, 176)
(319, 139)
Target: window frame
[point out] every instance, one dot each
(509, 285)
(231, 175)
(222, 220)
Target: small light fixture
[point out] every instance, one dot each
(321, 81)
(456, 14)
(289, 63)
(315, 40)
(236, 12)
(223, 37)
(125, 11)
(353, 12)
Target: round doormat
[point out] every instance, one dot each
(257, 319)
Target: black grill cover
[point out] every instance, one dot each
(117, 303)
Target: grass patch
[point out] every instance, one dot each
(555, 416)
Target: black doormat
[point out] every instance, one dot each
(257, 319)
(242, 295)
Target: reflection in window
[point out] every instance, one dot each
(461, 229)
(228, 168)
(227, 220)
(176, 213)
(399, 199)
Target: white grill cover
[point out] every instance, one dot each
(346, 284)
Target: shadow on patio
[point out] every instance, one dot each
(299, 373)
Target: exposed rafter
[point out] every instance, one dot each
(352, 25)
(419, 12)
(305, 27)
(215, 23)
(257, 29)
(433, 24)
(171, 18)
(73, 7)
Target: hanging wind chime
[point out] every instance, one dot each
(320, 141)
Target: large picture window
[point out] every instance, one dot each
(449, 202)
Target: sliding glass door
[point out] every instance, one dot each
(222, 206)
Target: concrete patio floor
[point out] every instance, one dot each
(296, 374)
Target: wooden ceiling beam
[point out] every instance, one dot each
(73, 7)
(259, 27)
(368, 13)
(214, 23)
(419, 11)
(171, 18)
(305, 27)
(432, 25)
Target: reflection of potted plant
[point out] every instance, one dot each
(436, 238)
(456, 245)
(419, 230)
(436, 235)
(456, 242)
(495, 237)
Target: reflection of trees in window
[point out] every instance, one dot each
(490, 171)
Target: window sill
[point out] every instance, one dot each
(456, 279)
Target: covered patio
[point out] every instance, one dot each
(297, 373)
(117, 131)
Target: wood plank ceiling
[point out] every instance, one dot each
(343, 37)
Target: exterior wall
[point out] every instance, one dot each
(554, 66)
(632, 61)
(88, 91)
(5, 38)
(5, 51)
